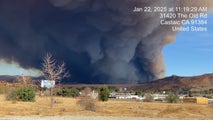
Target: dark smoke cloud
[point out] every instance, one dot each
(102, 41)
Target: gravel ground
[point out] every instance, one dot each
(81, 118)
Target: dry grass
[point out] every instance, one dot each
(69, 106)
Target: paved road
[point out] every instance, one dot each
(81, 118)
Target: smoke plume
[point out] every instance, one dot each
(101, 41)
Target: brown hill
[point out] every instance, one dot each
(197, 83)
(201, 82)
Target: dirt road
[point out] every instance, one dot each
(81, 118)
(88, 118)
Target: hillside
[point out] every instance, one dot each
(203, 82)
(8, 78)
(195, 82)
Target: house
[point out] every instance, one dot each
(159, 96)
(197, 100)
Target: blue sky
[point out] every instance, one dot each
(15, 69)
(191, 54)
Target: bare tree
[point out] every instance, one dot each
(53, 71)
(24, 80)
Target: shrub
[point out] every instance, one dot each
(86, 92)
(148, 98)
(87, 103)
(139, 93)
(103, 93)
(68, 92)
(25, 93)
(172, 98)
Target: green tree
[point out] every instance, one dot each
(103, 93)
(211, 91)
(190, 94)
(139, 93)
(25, 93)
(68, 92)
(172, 98)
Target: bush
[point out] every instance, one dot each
(87, 103)
(148, 98)
(25, 93)
(68, 92)
(86, 92)
(139, 93)
(172, 98)
(103, 93)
